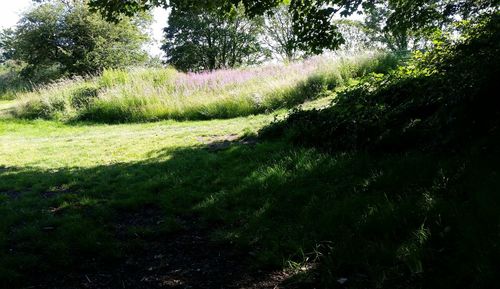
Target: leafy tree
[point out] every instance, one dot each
(6, 37)
(56, 39)
(211, 39)
(355, 34)
(279, 36)
(312, 19)
(396, 39)
(375, 23)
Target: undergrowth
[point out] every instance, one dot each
(438, 115)
(446, 97)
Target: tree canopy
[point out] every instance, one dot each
(54, 39)
(312, 19)
(198, 40)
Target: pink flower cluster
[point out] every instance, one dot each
(217, 79)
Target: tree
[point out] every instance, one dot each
(279, 36)
(394, 38)
(312, 19)
(56, 39)
(198, 40)
(6, 38)
(356, 37)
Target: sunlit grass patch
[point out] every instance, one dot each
(155, 94)
(384, 217)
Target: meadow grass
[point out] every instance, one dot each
(417, 219)
(379, 220)
(155, 94)
(10, 83)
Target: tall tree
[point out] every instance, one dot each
(356, 37)
(61, 38)
(279, 36)
(395, 39)
(198, 40)
(6, 39)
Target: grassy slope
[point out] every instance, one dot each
(415, 219)
(63, 188)
(157, 94)
(439, 225)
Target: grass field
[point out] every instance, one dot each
(139, 95)
(77, 199)
(75, 180)
(94, 196)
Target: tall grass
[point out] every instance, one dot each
(155, 94)
(11, 83)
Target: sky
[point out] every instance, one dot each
(160, 21)
(9, 13)
(11, 9)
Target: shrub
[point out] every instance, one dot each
(11, 82)
(82, 96)
(442, 98)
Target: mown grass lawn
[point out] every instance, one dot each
(66, 188)
(62, 187)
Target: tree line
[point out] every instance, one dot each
(61, 38)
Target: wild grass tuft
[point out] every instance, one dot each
(153, 94)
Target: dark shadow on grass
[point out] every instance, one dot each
(204, 218)
(128, 224)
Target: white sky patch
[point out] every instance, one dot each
(160, 21)
(10, 11)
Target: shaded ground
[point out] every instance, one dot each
(89, 206)
(220, 142)
(183, 259)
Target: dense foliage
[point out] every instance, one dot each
(443, 97)
(312, 19)
(207, 40)
(54, 40)
(442, 106)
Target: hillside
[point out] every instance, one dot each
(155, 94)
(378, 177)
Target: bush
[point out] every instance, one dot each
(59, 100)
(11, 82)
(442, 98)
(82, 96)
